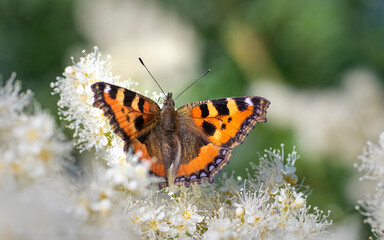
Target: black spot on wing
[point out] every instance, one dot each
(223, 126)
(128, 118)
(139, 123)
(256, 101)
(241, 104)
(141, 104)
(229, 119)
(221, 106)
(98, 87)
(204, 110)
(128, 97)
(112, 92)
(209, 128)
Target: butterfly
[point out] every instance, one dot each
(186, 145)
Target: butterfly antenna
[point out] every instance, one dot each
(206, 72)
(151, 75)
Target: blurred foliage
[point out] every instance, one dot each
(308, 44)
(34, 39)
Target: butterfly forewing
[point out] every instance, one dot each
(129, 113)
(227, 121)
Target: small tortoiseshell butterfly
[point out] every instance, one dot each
(185, 145)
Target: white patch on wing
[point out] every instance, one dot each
(107, 88)
(248, 100)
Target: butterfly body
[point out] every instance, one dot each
(186, 145)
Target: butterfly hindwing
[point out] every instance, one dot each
(221, 124)
(209, 160)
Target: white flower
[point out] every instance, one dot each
(288, 197)
(185, 218)
(222, 229)
(258, 211)
(240, 211)
(150, 220)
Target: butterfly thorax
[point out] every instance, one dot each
(169, 117)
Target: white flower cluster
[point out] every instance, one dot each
(30, 145)
(372, 165)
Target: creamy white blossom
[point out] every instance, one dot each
(185, 218)
(149, 219)
(222, 228)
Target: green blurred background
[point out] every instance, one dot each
(320, 63)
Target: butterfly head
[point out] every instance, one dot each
(168, 101)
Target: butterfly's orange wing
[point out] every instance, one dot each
(209, 130)
(132, 116)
